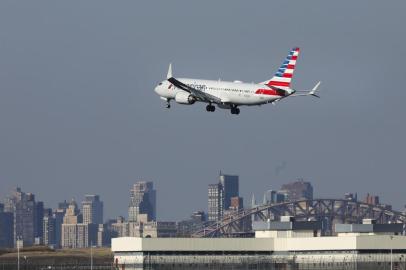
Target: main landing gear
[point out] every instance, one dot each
(210, 108)
(235, 110)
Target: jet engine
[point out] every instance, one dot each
(185, 98)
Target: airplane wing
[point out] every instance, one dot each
(200, 95)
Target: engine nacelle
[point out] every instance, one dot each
(185, 98)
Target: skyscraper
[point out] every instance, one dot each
(22, 205)
(216, 200)
(6, 228)
(120, 228)
(63, 205)
(58, 215)
(72, 214)
(49, 228)
(229, 184)
(92, 209)
(199, 216)
(298, 190)
(273, 196)
(237, 203)
(38, 219)
(371, 199)
(142, 201)
(219, 196)
(76, 234)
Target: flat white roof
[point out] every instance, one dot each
(333, 243)
(132, 244)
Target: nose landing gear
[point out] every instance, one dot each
(168, 104)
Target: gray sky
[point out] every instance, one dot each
(78, 113)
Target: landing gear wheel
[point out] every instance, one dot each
(168, 106)
(235, 110)
(210, 108)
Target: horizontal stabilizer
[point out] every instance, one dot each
(306, 92)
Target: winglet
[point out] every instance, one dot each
(313, 91)
(169, 75)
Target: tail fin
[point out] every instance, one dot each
(283, 76)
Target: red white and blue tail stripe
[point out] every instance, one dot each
(283, 76)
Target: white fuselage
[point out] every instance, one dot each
(237, 92)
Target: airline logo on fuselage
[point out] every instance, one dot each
(200, 87)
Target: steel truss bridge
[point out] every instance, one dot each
(329, 211)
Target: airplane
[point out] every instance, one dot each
(232, 95)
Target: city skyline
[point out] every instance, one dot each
(72, 226)
(365, 196)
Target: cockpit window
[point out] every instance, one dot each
(160, 83)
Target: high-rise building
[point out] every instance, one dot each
(22, 205)
(216, 200)
(229, 184)
(76, 234)
(298, 190)
(103, 235)
(38, 220)
(235, 206)
(142, 201)
(237, 203)
(72, 214)
(160, 229)
(49, 228)
(371, 199)
(120, 228)
(185, 228)
(273, 196)
(79, 235)
(219, 196)
(58, 215)
(141, 228)
(63, 205)
(6, 228)
(92, 210)
(199, 216)
(109, 232)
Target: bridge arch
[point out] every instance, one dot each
(329, 210)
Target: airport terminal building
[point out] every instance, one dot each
(277, 245)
